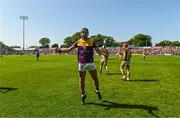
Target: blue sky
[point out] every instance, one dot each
(57, 19)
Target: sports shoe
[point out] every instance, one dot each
(99, 95)
(83, 99)
(123, 77)
(128, 79)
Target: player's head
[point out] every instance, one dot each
(125, 45)
(84, 33)
(37, 49)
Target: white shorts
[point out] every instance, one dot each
(86, 67)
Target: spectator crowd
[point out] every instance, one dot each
(158, 50)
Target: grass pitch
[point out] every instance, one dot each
(49, 88)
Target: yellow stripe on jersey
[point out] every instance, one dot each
(82, 42)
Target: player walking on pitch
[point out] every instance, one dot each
(125, 64)
(37, 53)
(104, 59)
(144, 55)
(85, 47)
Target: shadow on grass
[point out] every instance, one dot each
(143, 80)
(108, 105)
(114, 73)
(111, 58)
(7, 89)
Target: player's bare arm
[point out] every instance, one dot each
(98, 51)
(65, 50)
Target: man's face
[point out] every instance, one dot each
(84, 35)
(125, 45)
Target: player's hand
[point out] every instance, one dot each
(59, 51)
(102, 56)
(56, 50)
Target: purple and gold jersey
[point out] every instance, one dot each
(85, 50)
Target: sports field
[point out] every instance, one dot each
(29, 88)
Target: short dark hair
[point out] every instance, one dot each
(85, 30)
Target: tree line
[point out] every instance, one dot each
(139, 40)
(168, 43)
(108, 41)
(4, 47)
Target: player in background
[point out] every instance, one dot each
(104, 59)
(144, 55)
(37, 53)
(125, 64)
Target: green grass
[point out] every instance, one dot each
(50, 88)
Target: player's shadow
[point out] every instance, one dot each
(7, 89)
(108, 105)
(144, 80)
(115, 73)
(111, 58)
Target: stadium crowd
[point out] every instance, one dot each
(147, 50)
(112, 50)
(155, 50)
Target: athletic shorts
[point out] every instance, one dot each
(86, 67)
(103, 62)
(125, 63)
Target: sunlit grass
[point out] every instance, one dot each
(29, 88)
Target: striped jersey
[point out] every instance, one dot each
(126, 54)
(105, 52)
